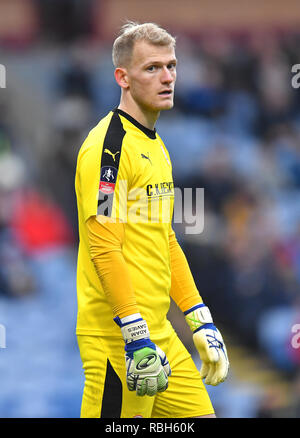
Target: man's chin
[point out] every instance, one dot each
(166, 106)
(161, 106)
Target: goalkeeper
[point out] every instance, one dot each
(129, 260)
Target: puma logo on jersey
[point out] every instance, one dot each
(107, 151)
(147, 157)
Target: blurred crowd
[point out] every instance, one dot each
(243, 116)
(234, 131)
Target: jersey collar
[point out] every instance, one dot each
(149, 132)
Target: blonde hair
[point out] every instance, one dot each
(132, 32)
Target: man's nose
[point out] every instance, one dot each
(167, 76)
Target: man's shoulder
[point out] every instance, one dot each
(100, 129)
(110, 133)
(95, 136)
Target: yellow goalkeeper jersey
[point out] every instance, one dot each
(124, 172)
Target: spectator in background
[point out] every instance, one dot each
(15, 276)
(73, 116)
(29, 224)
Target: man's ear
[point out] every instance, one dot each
(121, 77)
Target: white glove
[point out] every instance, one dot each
(209, 343)
(147, 367)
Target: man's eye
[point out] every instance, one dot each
(151, 68)
(171, 66)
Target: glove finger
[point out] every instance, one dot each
(131, 382)
(141, 387)
(201, 345)
(146, 386)
(221, 370)
(219, 375)
(162, 381)
(204, 370)
(164, 361)
(210, 375)
(151, 384)
(163, 388)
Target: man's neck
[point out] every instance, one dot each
(145, 118)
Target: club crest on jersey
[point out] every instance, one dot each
(108, 179)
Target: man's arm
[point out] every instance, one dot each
(206, 336)
(147, 368)
(105, 242)
(183, 288)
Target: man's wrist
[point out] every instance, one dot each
(128, 319)
(198, 316)
(135, 333)
(133, 327)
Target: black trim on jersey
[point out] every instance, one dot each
(151, 133)
(110, 160)
(112, 396)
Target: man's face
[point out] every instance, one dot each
(152, 75)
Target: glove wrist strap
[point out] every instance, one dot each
(197, 316)
(135, 330)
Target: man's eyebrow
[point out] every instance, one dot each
(153, 62)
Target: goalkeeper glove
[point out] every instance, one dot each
(209, 343)
(147, 367)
